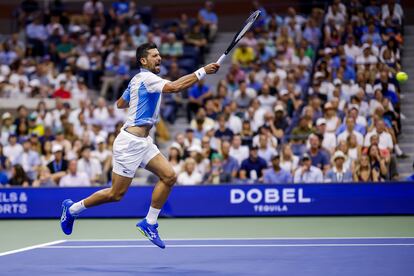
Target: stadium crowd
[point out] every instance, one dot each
(308, 98)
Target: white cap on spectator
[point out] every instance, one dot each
(34, 83)
(339, 154)
(328, 51)
(353, 106)
(6, 115)
(56, 148)
(99, 140)
(337, 81)
(365, 46)
(4, 70)
(195, 148)
(279, 108)
(176, 145)
(321, 121)
(319, 75)
(283, 92)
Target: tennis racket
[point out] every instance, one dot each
(239, 35)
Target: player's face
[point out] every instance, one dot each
(153, 61)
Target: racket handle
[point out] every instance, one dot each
(220, 60)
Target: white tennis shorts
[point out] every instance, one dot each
(131, 152)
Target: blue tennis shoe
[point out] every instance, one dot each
(67, 219)
(150, 231)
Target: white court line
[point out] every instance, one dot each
(247, 239)
(230, 245)
(30, 248)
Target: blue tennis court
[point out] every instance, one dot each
(326, 256)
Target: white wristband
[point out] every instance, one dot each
(200, 73)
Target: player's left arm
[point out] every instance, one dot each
(190, 79)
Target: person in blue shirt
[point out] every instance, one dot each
(319, 156)
(230, 164)
(197, 94)
(208, 19)
(276, 175)
(252, 167)
(338, 173)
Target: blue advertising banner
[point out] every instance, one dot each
(223, 200)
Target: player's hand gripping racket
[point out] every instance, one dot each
(246, 26)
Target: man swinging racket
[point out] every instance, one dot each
(133, 147)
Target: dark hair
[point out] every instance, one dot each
(142, 51)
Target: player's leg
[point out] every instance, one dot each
(120, 185)
(160, 166)
(128, 154)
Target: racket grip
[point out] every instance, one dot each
(220, 60)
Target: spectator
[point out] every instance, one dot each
(174, 157)
(288, 161)
(47, 155)
(363, 171)
(18, 176)
(378, 162)
(237, 150)
(385, 139)
(7, 127)
(202, 161)
(171, 48)
(230, 164)
(208, 19)
(338, 173)
(307, 173)
(223, 132)
(251, 169)
(90, 165)
(202, 120)
(197, 95)
(243, 55)
(266, 150)
(13, 150)
(61, 92)
(189, 176)
(320, 157)
(29, 160)
(59, 165)
(350, 129)
(74, 177)
(44, 178)
(217, 173)
(276, 174)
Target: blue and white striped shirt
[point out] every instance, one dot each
(144, 96)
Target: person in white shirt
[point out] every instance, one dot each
(91, 166)
(307, 173)
(189, 176)
(385, 139)
(100, 113)
(265, 151)
(350, 124)
(366, 58)
(13, 149)
(329, 138)
(266, 100)
(74, 178)
(350, 48)
(238, 151)
(101, 153)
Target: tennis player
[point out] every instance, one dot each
(133, 147)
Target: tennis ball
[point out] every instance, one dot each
(402, 77)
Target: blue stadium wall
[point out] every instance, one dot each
(223, 200)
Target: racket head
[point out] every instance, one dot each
(246, 26)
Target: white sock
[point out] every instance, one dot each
(77, 208)
(152, 215)
(398, 150)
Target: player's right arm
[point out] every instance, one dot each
(188, 80)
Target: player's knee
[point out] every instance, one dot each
(170, 178)
(115, 195)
